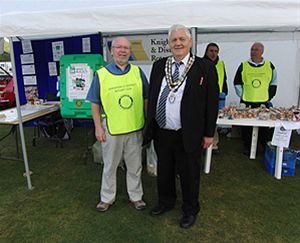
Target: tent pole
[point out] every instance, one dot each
(298, 45)
(295, 37)
(12, 58)
(194, 37)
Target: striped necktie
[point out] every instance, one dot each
(161, 108)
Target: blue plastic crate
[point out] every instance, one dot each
(288, 161)
(284, 171)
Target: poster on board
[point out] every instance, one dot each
(79, 78)
(144, 48)
(30, 80)
(57, 50)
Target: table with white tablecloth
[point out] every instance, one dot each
(255, 124)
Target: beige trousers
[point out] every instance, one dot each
(114, 149)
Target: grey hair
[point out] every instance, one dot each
(179, 27)
(118, 38)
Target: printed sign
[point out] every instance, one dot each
(79, 79)
(145, 48)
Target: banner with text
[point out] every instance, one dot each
(145, 48)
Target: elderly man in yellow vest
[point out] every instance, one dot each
(212, 54)
(119, 94)
(255, 83)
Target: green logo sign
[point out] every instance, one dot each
(256, 83)
(125, 101)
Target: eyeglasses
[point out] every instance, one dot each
(126, 48)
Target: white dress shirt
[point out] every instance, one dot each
(173, 121)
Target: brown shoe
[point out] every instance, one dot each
(102, 206)
(139, 205)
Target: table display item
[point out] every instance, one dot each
(261, 113)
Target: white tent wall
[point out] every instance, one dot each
(281, 48)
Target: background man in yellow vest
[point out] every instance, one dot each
(255, 83)
(119, 94)
(212, 54)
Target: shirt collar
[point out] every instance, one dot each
(116, 66)
(256, 64)
(184, 60)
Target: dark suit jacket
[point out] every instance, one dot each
(199, 104)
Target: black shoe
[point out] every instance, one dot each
(159, 209)
(187, 221)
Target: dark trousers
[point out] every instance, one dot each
(264, 135)
(171, 155)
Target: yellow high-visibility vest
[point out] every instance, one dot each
(256, 82)
(122, 100)
(221, 73)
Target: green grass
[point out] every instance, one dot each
(240, 201)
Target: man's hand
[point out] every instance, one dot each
(207, 141)
(100, 134)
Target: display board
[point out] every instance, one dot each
(37, 62)
(77, 73)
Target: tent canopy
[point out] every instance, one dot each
(29, 18)
(43, 17)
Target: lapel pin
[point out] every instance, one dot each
(201, 81)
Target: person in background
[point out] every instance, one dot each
(119, 94)
(212, 54)
(181, 119)
(255, 82)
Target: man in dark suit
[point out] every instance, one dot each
(182, 113)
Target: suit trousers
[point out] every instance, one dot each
(172, 158)
(114, 149)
